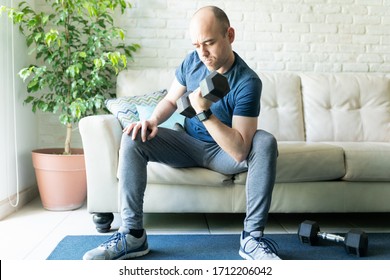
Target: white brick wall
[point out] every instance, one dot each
(272, 35)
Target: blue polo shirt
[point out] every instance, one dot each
(242, 100)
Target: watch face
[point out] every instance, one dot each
(204, 115)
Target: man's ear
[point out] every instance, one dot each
(231, 34)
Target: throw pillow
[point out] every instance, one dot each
(124, 108)
(145, 112)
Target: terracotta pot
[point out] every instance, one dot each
(61, 179)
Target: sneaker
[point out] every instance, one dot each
(118, 247)
(254, 246)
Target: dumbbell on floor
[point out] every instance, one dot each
(355, 241)
(214, 87)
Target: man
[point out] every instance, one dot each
(222, 137)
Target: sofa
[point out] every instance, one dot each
(333, 133)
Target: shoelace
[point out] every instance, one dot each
(269, 245)
(115, 239)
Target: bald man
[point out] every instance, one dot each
(222, 137)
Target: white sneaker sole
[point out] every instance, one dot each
(134, 255)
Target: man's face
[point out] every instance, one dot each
(211, 43)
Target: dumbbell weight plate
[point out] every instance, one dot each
(214, 87)
(307, 232)
(356, 242)
(184, 106)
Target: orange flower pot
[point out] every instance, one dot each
(61, 179)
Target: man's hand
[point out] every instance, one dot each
(198, 102)
(164, 109)
(148, 129)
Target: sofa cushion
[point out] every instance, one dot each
(306, 162)
(125, 108)
(346, 107)
(159, 173)
(369, 161)
(281, 106)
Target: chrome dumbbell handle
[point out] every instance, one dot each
(330, 236)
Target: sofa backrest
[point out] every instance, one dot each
(302, 106)
(143, 81)
(281, 106)
(346, 107)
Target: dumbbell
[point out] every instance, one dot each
(214, 87)
(355, 241)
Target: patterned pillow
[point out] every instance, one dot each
(124, 108)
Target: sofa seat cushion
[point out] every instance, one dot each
(159, 173)
(366, 161)
(306, 162)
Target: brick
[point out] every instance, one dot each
(366, 39)
(153, 23)
(312, 18)
(326, 9)
(285, 17)
(323, 28)
(339, 18)
(355, 67)
(351, 29)
(296, 27)
(299, 67)
(370, 58)
(268, 27)
(378, 29)
(327, 67)
(269, 66)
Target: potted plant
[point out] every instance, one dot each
(78, 51)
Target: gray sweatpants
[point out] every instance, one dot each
(178, 149)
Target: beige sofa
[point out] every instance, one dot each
(333, 132)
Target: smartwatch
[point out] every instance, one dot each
(205, 115)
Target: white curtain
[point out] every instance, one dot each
(7, 147)
(18, 126)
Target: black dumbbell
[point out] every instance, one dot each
(214, 87)
(355, 241)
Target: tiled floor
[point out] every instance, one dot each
(33, 232)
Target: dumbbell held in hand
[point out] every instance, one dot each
(214, 87)
(355, 241)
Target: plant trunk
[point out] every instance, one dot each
(68, 138)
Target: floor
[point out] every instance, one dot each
(33, 232)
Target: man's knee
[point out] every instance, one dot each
(128, 143)
(264, 140)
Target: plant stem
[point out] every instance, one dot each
(68, 138)
(68, 83)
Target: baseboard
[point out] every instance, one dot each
(25, 197)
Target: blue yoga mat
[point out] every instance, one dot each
(224, 247)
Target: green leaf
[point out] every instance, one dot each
(25, 73)
(32, 84)
(29, 99)
(37, 36)
(121, 34)
(42, 106)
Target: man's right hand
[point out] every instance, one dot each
(147, 128)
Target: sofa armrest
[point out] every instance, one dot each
(101, 136)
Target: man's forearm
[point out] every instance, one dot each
(163, 111)
(229, 139)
